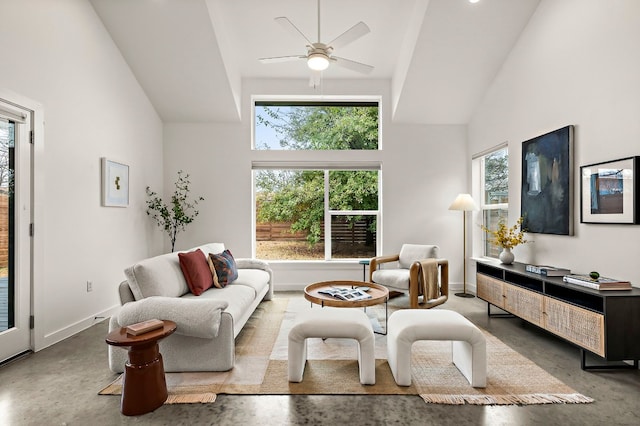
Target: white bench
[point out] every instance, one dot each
(468, 344)
(327, 322)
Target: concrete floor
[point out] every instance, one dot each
(59, 385)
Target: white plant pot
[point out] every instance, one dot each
(506, 256)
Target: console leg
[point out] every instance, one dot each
(505, 315)
(621, 365)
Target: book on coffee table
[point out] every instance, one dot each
(352, 294)
(144, 327)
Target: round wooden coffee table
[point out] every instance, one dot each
(379, 294)
(144, 387)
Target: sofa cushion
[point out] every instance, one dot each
(196, 271)
(224, 267)
(211, 248)
(238, 297)
(157, 276)
(254, 278)
(410, 253)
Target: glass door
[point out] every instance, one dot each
(15, 241)
(7, 145)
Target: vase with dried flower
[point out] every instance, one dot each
(507, 238)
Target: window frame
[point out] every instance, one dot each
(479, 161)
(321, 160)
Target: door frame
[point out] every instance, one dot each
(36, 111)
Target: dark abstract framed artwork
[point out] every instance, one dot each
(547, 183)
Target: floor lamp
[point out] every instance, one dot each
(465, 203)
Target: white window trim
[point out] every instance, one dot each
(276, 159)
(477, 167)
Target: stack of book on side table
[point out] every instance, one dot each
(547, 271)
(601, 283)
(144, 327)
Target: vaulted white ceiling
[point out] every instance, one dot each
(190, 56)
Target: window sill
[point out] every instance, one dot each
(315, 264)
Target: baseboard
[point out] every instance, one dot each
(77, 327)
(289, 287)
(471, 288)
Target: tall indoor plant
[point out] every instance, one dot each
(174, 216)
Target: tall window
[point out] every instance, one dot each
(316, 210)
(494, 183)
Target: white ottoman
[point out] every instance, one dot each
(468, 346)
(332, 322)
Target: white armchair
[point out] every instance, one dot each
(410, 274)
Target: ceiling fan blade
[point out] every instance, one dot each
(276, 59)
(351, 35)
(352, 65)
(288, 25)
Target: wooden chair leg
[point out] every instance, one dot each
(413, 294)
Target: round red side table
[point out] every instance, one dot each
(144, 386)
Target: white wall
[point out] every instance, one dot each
(576, 63)
(423, 169)
(59, 54)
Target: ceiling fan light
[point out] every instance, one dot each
(318, 62)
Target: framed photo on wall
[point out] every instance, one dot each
(609, 192)
(115, 183)
(546, 198)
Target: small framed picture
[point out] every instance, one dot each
(115, 183)
(609, 192)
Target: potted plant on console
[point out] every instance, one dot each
(507, 238)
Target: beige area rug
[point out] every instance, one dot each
(332, 368)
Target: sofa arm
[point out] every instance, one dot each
(195, 318)
(248, 263)
(125, 293)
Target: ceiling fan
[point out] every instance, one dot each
(320, 55)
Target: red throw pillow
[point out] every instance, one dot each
(196, 271)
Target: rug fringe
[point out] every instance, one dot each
(527, 399)
(191, 398)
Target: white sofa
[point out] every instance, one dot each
(207, 324)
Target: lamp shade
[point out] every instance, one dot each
(463, 202)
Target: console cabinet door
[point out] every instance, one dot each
(524, 303)
(580, 326)
(490, 290)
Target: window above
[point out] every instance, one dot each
(314, 125)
